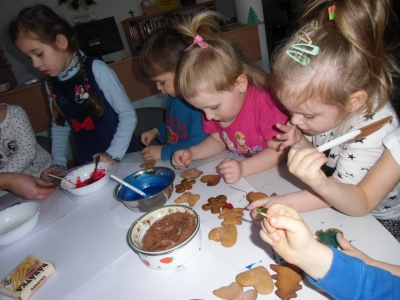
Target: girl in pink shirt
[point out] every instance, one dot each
(239, 112)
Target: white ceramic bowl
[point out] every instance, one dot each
(83, 173)
(167, 259)
(17, 221)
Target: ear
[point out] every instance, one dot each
(61, 42)
(242, 83)
(356, 101)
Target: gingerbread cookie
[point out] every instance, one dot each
(191, 174)
(148, 164)
(211, 180)
(288, 279)
(234, 291)
(231, 217)
(189, 198)
(184, 185)
(328, 237)
(227, 235)
(259, 278)
(253, 196)
(215, 204)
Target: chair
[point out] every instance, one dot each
(148, 118)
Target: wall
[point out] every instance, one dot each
(22, 68)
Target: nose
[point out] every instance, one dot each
(209, 115)
(296, 119)
(35, 62)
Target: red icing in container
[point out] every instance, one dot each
(100, 173)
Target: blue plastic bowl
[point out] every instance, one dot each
(157, 183)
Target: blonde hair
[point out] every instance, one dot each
(217, 67)
(352, 56)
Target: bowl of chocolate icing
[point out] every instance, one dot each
(167, 237)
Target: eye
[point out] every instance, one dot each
(214, 107)
(309, 118)
(39, 55)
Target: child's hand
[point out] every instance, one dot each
(104, 158)
(350, 250)
(306, 165)
(52, 170)
(230, 169)
(148, 136)
(182, 158)
(290, 136)
(290, 237)
(151, 153)
(29, 187)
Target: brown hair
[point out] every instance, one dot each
(352, 56)
(215, 68)
(41, 23)
(162, 52)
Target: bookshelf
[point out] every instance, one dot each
(139, 28)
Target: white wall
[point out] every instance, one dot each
(22, 68)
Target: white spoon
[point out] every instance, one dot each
(128, 185)
(61, 178)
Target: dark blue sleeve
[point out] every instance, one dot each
(192, 118)
(351, 278)
(163, 133)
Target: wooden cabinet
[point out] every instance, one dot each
(139, 28)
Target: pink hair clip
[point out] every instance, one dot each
(52, 95)
(199, 41)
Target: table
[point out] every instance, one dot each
(93, 260)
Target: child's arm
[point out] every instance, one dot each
(148, 136)
(115, 94)
(340, 275)
(292, 135)
(211, 146)
(25, 141)
(365, 196)
(350, 250)
(26, 186)
(232, 170)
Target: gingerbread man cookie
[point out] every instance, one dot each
(189, 198)
(184, 185)
(253, 196)
(231, 217)
(215, 204)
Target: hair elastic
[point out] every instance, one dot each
(331, 12)
(199, 41)
(31, 17)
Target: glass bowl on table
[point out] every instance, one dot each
(157, 183)
(77, 181)
(181, 252)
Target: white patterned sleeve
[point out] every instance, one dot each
(25, 142)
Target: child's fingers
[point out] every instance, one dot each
(343, 243)
(258, 203)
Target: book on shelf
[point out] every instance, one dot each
(135, 37)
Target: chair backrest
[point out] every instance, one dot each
(148, 118)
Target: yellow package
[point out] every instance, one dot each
(26, 278)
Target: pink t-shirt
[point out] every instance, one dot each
(253, 127)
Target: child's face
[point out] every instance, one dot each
(223, 107)
(314, 117)
(167, 84)
(51, 61)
